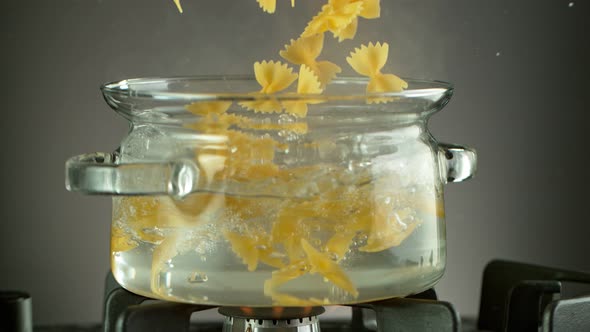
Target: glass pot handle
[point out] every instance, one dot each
(101, 174)
(457, 163)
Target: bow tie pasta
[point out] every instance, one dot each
(247, 157)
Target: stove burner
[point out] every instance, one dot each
(235, 324)
(277, 319)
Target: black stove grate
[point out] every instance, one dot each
(524, 297)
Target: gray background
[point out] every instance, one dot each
(520, 70)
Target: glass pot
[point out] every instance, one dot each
(226, 197)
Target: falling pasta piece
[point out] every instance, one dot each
(369, 61)
(349, 32)
(273, 77)
(177, 2)
(322, 264)
(333, 18)
(305, 51)
(270, 6)
(371, 8)
(308, 84)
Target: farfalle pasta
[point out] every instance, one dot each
(369, 61)
(244, 156)
(270, 6)
(305, 51)
(338, 19)
(308, 84)
(273, 77)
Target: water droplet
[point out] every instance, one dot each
(205, 298)
(198, 278)
(388, 200)
(203, 258)
(234, 149)
(317, 242)
(571, 4)
(498, 53)
(169, 264)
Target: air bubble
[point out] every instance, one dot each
(571, 4)
(286, 118)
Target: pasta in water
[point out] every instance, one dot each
(244, 156)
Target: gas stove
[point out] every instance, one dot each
(514, 297)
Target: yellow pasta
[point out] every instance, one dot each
(308, 84)
(335, 18)
(369, 61)
(273, 77)
(305, 51)
(206, 108)
(371, 8)
(244, 157)
(177, 2)
(270, 6)
(324, 265)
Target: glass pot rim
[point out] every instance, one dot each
(150, 87)
(139, 96)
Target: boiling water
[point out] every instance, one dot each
(198, 263)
